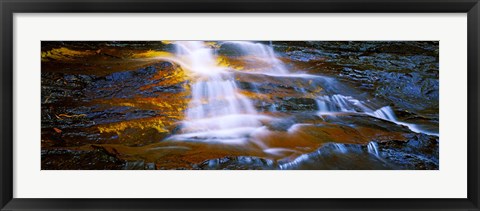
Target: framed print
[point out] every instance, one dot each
(239, 105)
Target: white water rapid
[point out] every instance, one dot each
(217, 111)
(339, 103)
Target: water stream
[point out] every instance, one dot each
(219, 113)
(240, 105)
(262, 54)
(328, 105)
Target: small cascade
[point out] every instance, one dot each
(262, 53)
(297, 161)
(340, 148)
(385, 113)
(339, 103)
(333, 152)
(372, 148)
(217, 111)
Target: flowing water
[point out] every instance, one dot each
(262, 54)
(372, 148)
(218, 112)
(239, 105)
(339, 103)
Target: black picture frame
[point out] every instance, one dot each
(9, 7)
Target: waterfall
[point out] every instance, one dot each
(339, 103)
(217, 111)
(372, 148)
(385, 113)
(340, 147)
(262, 53)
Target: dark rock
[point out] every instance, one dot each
(166, 66)
(135, 165)
(150, 166)
(237, 163)
(119, 45)
(296, 104)
(337, 157)
(281, 124)
(404, 74)
(419, 152)
(79, 160)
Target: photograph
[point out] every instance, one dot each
(239, 105)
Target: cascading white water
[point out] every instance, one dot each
(262, 53)
(339, 103)
(372, 148)
(198, 57)
(217, 111)
(340, 147)
(385, 113)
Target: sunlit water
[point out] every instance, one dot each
(219, 113)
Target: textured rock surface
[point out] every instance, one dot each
(115, 105)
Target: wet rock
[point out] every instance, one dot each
(128, 84)
(150, 166)
(79, 160)
(135, 165)
(78, 103)
(282, 124)
(296, 104)
(237, 163)
(230, 50)
(118, 45)
(397, 47)
(419, 152)
(336, 156)
(362, 120)
(119, 113)
(166, 66)
(408, 91)
(139, 136)
(411, 92)
(402, 73)
(135, 107)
